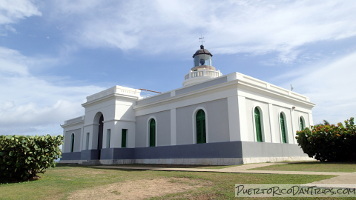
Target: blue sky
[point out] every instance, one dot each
(55, 53)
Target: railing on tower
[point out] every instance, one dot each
(202, 73)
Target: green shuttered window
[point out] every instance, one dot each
(258, 125)
(152, 135)
(108, 138)
(283, 127)
(123, 138)
(87, 141)
(72, 143)
(200, 126)
(301, 123)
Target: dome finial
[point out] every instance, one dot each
(201, 39)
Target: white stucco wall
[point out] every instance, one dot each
(271, 101)
(68, 140)
(163, 130)
(115, 104)
(264, 111)
(217, 122)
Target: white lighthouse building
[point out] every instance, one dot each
(213, 119)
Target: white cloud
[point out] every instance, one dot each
(5, 29)
(14, 10)
(8, 66)
(11, 11)
(229, 26)
(29, 103)
(330, 85)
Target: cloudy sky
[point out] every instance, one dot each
(54, 53)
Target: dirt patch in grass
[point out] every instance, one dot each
(139, 189)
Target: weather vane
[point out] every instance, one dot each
(201, 39)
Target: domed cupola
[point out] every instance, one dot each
(203, 69)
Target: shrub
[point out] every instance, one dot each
(332, 143)
(23, 157)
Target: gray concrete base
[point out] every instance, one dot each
(118, 162)
(71, 161)
(190, 161)
(222, 153)
(186, 161)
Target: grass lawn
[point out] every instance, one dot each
(312, 166)
(65, 181)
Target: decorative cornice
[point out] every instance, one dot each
(114, 92)
(73, 122)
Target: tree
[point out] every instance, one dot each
(332, 143)
(23, 157)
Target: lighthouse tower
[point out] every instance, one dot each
(203, 69)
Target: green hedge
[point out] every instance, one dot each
(332, 143)
(22, 157)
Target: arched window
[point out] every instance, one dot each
(200, 126)
(283, 127)
(258, 124)
(72, 143)
(152, 134)
(301, 123)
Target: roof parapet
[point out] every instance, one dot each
(119, 90)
